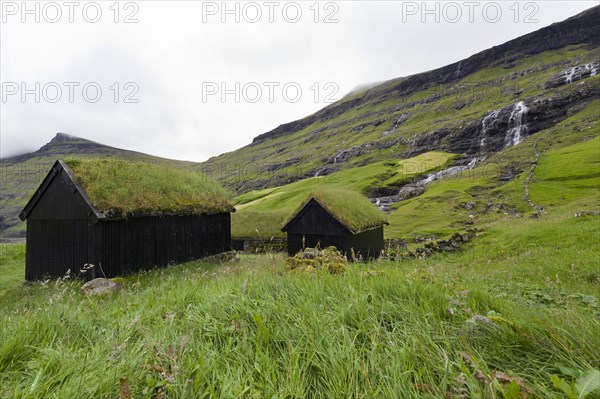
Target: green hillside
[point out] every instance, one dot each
(386, 138)
(266, 210)
(566, 179)
(369, 131)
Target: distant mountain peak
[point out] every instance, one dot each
(64, 137)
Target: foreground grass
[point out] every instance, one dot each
(253, 329)
(12, 270)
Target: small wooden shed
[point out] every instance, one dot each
(341, 218)
(122, 217)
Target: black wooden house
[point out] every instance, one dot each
(122, 217)
(340, 218)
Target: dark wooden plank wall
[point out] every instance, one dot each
(56, 246)
(368, 243)
(142, 243)
(294, 242)
(313, 219)
(58, 232)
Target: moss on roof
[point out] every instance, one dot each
(349, 207)
(123, 188)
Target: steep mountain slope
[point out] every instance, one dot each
(22, 174)
(494, 119)
(554, 173)
(470, 107)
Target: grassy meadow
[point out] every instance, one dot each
(514, 314)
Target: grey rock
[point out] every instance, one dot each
(311, 253)
(99, 286)
(586, 213)
(477, 326)
(480, 319)
(410, 191)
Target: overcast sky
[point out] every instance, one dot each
(162, 66)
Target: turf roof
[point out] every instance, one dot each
(349, 207)
(123, 188)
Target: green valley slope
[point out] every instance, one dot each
(440, 110)
(565, 180)
(525, 112)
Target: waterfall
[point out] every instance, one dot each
(570, 74)
(335, 161)
(577, 72)
(516, 128)
(451, 171)
(400, 120)
(485, 126)
(592, 68)
(318, 172)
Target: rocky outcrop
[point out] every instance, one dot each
(331, 164)
(443, 245)
(573, 74)
(497, 130)
(385, 202)
(329, 112)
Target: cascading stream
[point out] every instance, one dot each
(516, 128)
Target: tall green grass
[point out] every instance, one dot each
(12, 270)
(253, 329)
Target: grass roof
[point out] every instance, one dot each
(123, 188)
(349, 207)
